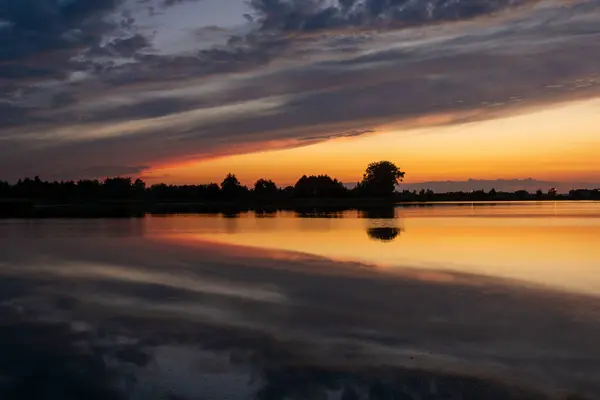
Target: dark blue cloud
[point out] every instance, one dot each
(35, 26)
(309, 15)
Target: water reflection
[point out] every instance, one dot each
(110, 228)
(382, 223)
(231, 213)
(319, 213)
(265, 213)
(169, 310)
(152, 318)
(546, 243)
(45, 360)
(384, 234)
(378, 213)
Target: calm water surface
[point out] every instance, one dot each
(486, 301)
(555, 244)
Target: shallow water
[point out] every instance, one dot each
(485, 301)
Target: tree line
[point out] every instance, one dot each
(379, 180)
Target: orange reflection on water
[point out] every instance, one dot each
(543, 243)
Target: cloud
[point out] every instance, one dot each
(169, 3)
(312, 15)
(100, 171)
(115, 91)
(339, 135)
(38, 26)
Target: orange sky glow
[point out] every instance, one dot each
(558, 143)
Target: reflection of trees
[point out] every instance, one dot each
(378, 213)
(265, 213)
(384, 234)
(231, 220)
(382, 223)
(230, 213)
(318, 212)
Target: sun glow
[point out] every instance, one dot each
(558, 143)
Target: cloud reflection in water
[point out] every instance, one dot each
(145, 318)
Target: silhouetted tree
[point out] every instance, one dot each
(319, 186)
(380, 179)
(584, 194)
(210, 191)
(288, 192)
(89, 189)
(160, 191)
(4, 189)
(479, 195)
(28, 191)
(231, 188)
(139, 185)
(118, 188)
(522, 194)
(265, 188)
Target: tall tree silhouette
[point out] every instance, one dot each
(231, 188)
(265, 188)
(380, 179)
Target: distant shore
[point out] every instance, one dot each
(314, 194)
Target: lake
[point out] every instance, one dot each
(444, 301)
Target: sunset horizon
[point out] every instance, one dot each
(508, 91)
(299, 199)
(446, 153)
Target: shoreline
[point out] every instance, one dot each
(311, 207)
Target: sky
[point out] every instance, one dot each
(458, 93)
